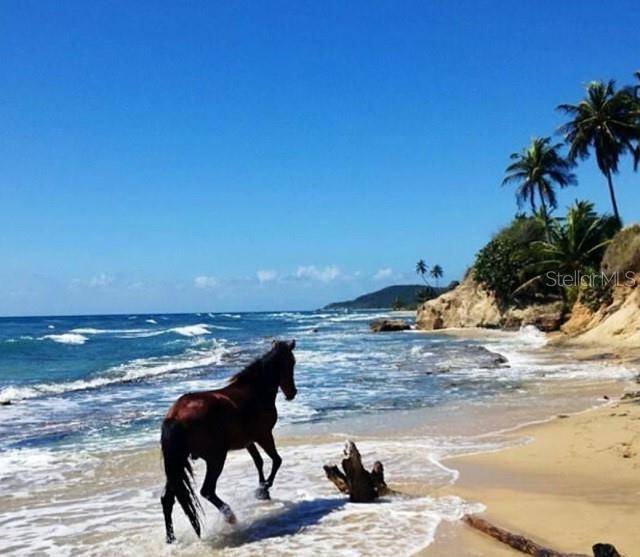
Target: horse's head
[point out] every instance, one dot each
(286, 361)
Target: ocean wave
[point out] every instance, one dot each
(531, 336)
(135, 370)
(191, 330)
(151, 321)
(66, 338)
(198, 329)
(94, 331)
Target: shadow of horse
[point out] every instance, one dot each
(287, 522)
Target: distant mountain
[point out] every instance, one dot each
(388, 297)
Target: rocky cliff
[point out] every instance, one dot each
(614, 325)
(467, 305)
(471, 305)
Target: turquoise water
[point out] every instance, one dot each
(79, 381)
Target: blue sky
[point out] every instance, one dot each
(192, 156)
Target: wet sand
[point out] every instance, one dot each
(576, 484)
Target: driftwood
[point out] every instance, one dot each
(361, 486)
(525, 545)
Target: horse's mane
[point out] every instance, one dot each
(252, 372)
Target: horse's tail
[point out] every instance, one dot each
(178, 470)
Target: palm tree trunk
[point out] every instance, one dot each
(612, 194)
(545, 216)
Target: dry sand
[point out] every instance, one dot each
(575, 484)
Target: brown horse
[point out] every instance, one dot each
(209, 424)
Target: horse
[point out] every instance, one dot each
(209, 424)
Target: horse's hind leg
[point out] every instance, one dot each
(208, 491)
(167, 500)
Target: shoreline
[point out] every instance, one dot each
(574, 484)
(577, 483)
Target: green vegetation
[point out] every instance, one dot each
(543, 257)
(422, 270)
(504, 263)
(524, 263)
(401, 296)
(574, 249)
(536, 170)
(606, 122)
(437, 273)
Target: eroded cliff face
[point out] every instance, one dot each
(471, 305)
(617, 324)
(467, 305)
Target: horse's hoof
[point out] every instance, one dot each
(171, 538)
(262, 493)
(228, 515)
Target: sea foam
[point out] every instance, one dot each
(67, 338)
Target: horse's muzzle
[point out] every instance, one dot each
(292, 395)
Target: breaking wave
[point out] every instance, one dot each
(67, 338)
(135, 370)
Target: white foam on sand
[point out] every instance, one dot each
(305, 516)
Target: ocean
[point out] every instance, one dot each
(83, 398)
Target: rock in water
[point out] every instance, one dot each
(385, 325)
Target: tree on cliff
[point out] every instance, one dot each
(536, 171)
(575, 248)
(605, 122)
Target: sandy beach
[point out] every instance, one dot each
(575, 484)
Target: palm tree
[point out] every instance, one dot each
(421, 270)
(634, 94)
(603, 122)
(437, 273)
(577, 243)
(536, 170)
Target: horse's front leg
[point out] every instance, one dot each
(268, 446)
(262, 492)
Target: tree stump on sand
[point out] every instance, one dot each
(525, 545)
(361, 486)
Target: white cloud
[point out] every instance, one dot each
(267, 275)
(205, 282)
(383, 274)
(311, 272)
(100, 281)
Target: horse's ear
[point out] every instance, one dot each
(274, 343)
(292, 344)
